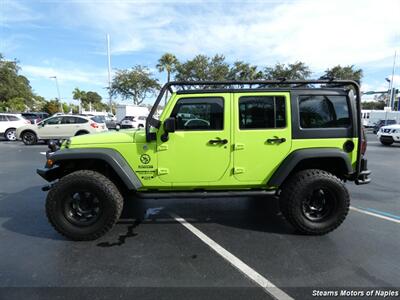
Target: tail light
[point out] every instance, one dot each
(363, 141)
(94, 125)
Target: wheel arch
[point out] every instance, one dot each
(82, 131)
(107, 161)
(332, 160)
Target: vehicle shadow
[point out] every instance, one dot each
(24, 213)
(258, 213)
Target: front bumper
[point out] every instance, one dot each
(364, 173)
(49, 174)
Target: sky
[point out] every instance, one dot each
(67, 39)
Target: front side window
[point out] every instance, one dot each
(199, 114)
(53, 121)
(262, 112)
(3, 118)
(324, 112)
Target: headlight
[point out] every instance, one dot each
(394, 131)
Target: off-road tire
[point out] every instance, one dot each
(105, 190)
(31, 140)
(296, 190)
(11, 134)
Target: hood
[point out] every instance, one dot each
(393, 126)
(108, 137)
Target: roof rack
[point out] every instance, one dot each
(254, 84)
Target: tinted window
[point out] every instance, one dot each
(98, 119)
(73, 120)
(3, 118)
(199, 114)
(324, 112)
(80, 120)
(54, 121)
(261, 112)
(12, 118)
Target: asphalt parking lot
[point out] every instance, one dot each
(195, 248)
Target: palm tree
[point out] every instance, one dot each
(77, 94)
(167, 62)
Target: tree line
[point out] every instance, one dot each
(139, 83)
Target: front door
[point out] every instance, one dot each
(49, 128)
(262, 134)
(198, 152)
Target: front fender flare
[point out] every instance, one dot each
(112, 157)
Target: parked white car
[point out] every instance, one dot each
(59, 127)
(390, 134)
(9, 124)
(133, 122)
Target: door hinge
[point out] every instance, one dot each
(162, 171)
(238, 146)
(162, 147)
(238, 170)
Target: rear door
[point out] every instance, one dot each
(262, 134)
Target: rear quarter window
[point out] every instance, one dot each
(324, 112)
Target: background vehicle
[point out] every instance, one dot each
(130, 110)
(370, 118)
(298, 142)
(60, 127)
(381, 123)
(388, 135)
(133, 122)
(35, 117)
(9, 123)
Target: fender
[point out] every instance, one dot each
(110, 156)
(294, 158)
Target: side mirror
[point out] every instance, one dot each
(169, 126)
(42, 124)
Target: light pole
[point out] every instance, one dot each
(389, 90)
(109, 71)
(58, 92)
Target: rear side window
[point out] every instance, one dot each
(199, 114)
(12, 118)
(262, 112)
(324, 112)
(98, 119)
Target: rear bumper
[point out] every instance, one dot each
(364, 173)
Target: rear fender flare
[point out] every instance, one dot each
(294, 158)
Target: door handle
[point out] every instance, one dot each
(218, 141)
(276, 140)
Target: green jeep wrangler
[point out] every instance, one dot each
(297, 140)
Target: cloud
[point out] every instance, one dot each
(75, 75)
(12, 12)
(321, 33)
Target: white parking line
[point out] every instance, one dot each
(374, 214)
(267, 285)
